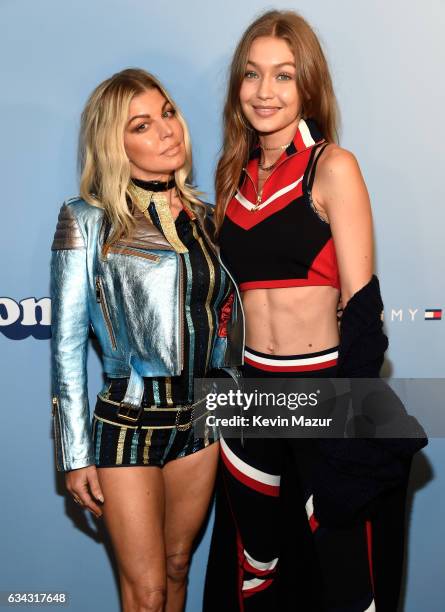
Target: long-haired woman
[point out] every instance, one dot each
(133, 259)
(295, 230)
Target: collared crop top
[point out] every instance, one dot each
(279, 240)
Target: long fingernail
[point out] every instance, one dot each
(100, 498)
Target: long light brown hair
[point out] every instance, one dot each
(105, 167)
(314, 85)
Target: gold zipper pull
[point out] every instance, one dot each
(257, 205)
(100, 299)
(98, 291)
(55, 404)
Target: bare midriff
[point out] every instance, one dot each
(292, 320)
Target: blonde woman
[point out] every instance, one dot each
(133, 259)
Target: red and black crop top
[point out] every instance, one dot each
(282, 242)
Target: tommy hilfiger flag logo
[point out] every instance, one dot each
(433, 314)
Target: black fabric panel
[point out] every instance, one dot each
(282, 246)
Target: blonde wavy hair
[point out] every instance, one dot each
(104, 165)
(314, 86)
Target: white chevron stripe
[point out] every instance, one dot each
(251, 584)
(263, 477)
(248, 204)
(261, 565)
(291, 362)
(305, 133)
(310, 506)
(244, 201)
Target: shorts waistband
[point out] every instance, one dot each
(179, 417)
(292, 363)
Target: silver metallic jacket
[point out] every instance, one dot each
(132, 296)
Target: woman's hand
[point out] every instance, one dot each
(84, 486)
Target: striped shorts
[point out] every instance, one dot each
(118, 443)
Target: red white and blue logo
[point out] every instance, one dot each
(411, 314)
(433, 314)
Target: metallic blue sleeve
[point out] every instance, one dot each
(70, 326)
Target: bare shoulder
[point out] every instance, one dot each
(339, 179)
(339, 186)
(337, 163)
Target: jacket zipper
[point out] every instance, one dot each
(218, 256)
(181, 310)
(57, 436)
(259, 198)
(134, 253)
(100, 298)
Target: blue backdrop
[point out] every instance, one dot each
(387, 64)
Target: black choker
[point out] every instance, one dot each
(155, 185)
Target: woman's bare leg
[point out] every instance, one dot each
(188, 485)
(134, 516)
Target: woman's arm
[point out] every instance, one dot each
(340, 191)
(70, 325)
(70, 328)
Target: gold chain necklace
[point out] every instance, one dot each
(267, 168)
(272, 166)
(279, 148)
